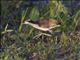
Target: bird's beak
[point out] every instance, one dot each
(25, 22)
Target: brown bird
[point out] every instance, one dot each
(43, 24)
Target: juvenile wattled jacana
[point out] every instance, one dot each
(44, 25)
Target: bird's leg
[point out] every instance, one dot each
(41, 33)
(51, 32)
(37, 36)
(46, 34)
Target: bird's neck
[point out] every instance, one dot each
(32, 24)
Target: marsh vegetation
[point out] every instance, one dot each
(17, 41)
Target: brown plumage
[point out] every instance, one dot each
(46, 23)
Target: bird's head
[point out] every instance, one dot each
(27, 21)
